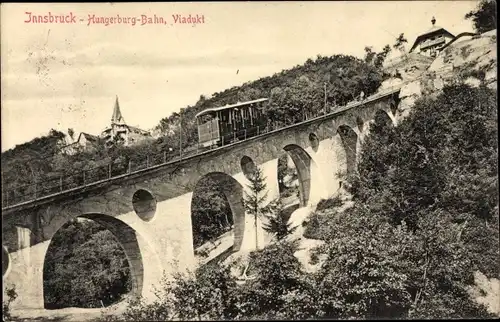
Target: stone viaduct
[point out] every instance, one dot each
(149, 212)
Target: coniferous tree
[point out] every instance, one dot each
(256, 198)
(277, 223)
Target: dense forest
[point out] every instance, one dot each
(424, 218)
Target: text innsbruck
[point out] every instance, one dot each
(93, 19)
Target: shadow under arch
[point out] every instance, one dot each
(382, 118)
(233, 192)
(349, 140)
(303, 162)
(127, 239)
(6, 262)
(248, 166)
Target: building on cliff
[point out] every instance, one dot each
(431, 42)
(84, 142)
(121, 132)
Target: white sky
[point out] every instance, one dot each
(67, 75)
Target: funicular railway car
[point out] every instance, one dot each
(226, 124)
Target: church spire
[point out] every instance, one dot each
(117, 117)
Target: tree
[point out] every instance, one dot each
(400, 46)
(211, 213)
(484, 17)
(400, 42)
(84, 265)
(369, 55)
(11, 297)
(71, 133)
(380, 57)
(255, 199)
(376, 59)
(281, 289)
(438, 168)
(277, 223)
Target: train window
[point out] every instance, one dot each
(206, 118)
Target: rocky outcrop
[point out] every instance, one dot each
(470, 59)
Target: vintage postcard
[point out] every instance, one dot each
(249, 160)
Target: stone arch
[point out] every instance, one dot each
(349, 140)
(6, 262)
(233, 192)
(303, 163)
(127, 238)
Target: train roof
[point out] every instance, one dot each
(215, 109)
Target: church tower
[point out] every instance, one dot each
(117, 117)
(120, 132)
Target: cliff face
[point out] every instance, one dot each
(471, 59)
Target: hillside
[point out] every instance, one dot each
(291, 92)
(301, 87)
(469, 59)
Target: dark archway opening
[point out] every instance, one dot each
(248, 167)
(144, 204)
(360, 124)
(288, 181)
(314, 141)
(217, 213)
(92, 261)
(349, 141)
(394, 108)
(5, 261)
(381, 122)
(302, 162)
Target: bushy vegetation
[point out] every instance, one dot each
(84, 265)
(211, 214)
(484, 17)
(277, 223)
(425, 217)
(329, 203)
(316, 227)
(11, 296)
